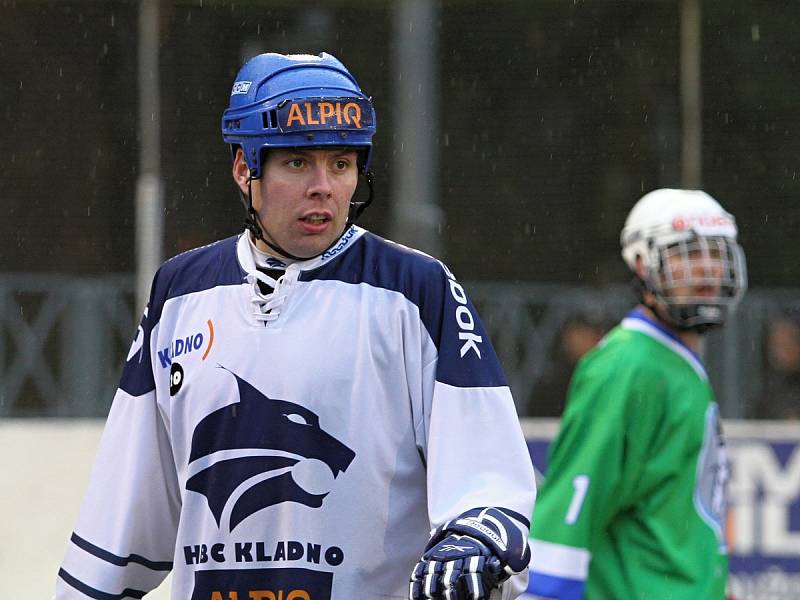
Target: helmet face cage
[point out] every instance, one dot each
(698, 280)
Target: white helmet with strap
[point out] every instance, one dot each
(681, 244)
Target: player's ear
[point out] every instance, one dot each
(641, 272)
(240, 170)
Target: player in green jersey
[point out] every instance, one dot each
(633, 506)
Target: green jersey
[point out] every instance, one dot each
(633, 504)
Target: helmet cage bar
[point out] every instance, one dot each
(698, 281)
(701, 263)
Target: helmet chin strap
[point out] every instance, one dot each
(643, 286)
(662, 309)
(253, 224)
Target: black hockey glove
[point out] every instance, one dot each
(468, 557)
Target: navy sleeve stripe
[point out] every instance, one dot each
(97, 594)
(120, 561)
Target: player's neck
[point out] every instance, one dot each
(262, 253)
(690, 338)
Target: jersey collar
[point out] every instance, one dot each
(637, 320)
(245, 254)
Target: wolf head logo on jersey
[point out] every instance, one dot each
(259, 452)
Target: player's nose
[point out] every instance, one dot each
(708, 268)
(319, 184)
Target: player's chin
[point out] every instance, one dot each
(311, 245)
(706, 292)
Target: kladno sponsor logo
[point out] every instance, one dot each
(199, 341)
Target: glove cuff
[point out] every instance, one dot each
(493, 528)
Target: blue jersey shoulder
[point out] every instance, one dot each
(384, 264)
(193, 271)
(381, 263)
(466, 357)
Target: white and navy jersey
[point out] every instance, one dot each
(302, 442)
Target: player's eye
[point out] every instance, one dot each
(296, 163)
(341, 164)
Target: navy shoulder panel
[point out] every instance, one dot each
(466, 356)
(193, 271)
(384, 264)
(197, 270)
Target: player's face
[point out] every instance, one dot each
(303, 197)
(694, 270)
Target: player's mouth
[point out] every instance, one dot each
(706, 292)
(315, 222)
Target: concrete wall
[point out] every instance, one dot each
(46, 463)
(45, 466)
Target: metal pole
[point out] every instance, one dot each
(417, 216)
(149, 193)
(691, 95)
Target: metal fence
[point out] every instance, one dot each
(63, 339)
(62, 342)
(525, 320)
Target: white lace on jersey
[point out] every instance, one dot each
(266, 307)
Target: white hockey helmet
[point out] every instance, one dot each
(691, 261)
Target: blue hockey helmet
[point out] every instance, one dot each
(297, 100)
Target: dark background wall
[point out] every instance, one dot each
(555, 117)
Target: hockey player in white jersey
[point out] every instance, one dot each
(308, 411)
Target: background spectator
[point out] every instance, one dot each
(579, 334)
(780, 396)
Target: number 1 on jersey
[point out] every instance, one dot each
(581, 485)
